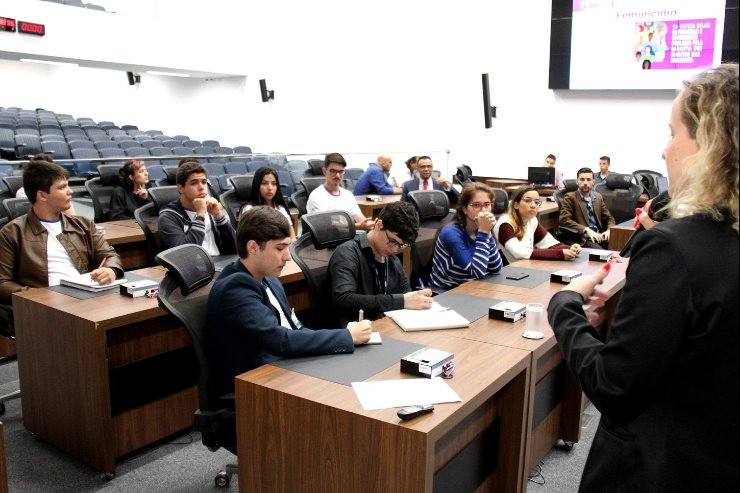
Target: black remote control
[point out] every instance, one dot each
(413, 411)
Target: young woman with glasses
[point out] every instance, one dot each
(522, 236)
(466, 249)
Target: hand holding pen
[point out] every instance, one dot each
(360, 330)
(103, 275)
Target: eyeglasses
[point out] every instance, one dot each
(479, 205)
(537, 202)
(393, 243)
(426, 166)
(335, 171)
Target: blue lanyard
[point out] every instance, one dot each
(383, 287)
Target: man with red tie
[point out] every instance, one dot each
(425, 181)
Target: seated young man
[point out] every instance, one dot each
(365, 273)
(584, 210)
(333, 197)
(44, 246)
(249, 319)
(195, 217)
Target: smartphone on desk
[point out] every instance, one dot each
(517, 276)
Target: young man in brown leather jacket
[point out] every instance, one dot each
(43, 246)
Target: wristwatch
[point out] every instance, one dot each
(200, 218)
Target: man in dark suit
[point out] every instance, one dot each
(584, 211)
(249, 319)
(425, 181)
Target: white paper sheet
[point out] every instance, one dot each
(384, 394)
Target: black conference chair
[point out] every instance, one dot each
(463, 175)
(648, 180)
(13, 208)
(433, 207)
(299, 199)
(183, 292)
(500, 201)
(570, 186)
(323, 231)
(14, 183)
(147, 217)
(236, 197)
(101, 189)
(621, 195)
(311, 183)
(6, 330)
(562, 233)
(434, 211)
(170, 176)
(314, 168)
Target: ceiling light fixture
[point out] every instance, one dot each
(171, 74)
(49, 62)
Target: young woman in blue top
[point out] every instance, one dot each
(466, 249)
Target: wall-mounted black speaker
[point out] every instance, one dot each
(131, 79)
(489, 112)
(266, 95)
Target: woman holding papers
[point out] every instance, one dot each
(466, 249)
(666, 378)
(521, 234)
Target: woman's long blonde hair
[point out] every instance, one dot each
(709, 184)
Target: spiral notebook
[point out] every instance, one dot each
(84, 281)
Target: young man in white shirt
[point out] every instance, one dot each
(332, 197)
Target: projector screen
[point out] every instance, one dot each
(639, 44)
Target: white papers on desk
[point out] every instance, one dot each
(84, 281)
(385, 394)
(437, 317)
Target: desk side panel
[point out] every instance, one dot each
(291, 444)
(64, 381)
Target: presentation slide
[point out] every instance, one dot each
(643, 44)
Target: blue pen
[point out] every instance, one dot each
(421, 283)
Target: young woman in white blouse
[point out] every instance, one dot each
(521, 235)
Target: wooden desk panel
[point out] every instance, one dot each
(549, 420)
(505, 182)
(618, 236)
(67, 349)
(372, 209)
(549, 215)
(314, 435)
(127, 238)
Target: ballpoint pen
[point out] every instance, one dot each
(360, 315)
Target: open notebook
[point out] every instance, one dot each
(437, 317)
(84, 281)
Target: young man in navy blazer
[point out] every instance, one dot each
(249, 320)
(425, 181)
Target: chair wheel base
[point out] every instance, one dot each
(222, 479)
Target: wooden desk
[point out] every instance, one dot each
(544, 192)
(315, 436)
(104, 376)
(372, 209)
(556, 401)
(505, 182)
(619, 235)
(312, 435)
(127, 238)
(549, 215)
